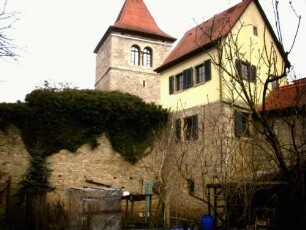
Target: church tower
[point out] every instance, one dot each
(130, 50)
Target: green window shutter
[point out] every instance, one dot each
(238, 66)
(188, 78)
(171, 85)
(253, 73)
(178, 129)
(194, 127)
(185, 78)
(207, 65)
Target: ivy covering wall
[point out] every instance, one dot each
(50, 121)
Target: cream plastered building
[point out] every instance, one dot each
(239, 33)
(202, 83)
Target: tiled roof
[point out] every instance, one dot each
(135, 15)
(287, 96)
(135, 18)
(205, 33)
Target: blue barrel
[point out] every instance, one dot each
(207, 222)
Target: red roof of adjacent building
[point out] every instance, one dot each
(287, 96)
(205, 34)
(135, 18)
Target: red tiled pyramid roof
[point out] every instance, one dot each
(287, 96)
(205, 33)
(135, 15)
(135, 18)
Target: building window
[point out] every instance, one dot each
(178, 129)
(189, 131)
(275, 84)
(147, 57)
(179, 81)
(171, 85)
(246, 71)
(191, 127)
(188, 78)
(203, 72)
(190, 184)
(255, 32)
(241, 124)
(135, 55)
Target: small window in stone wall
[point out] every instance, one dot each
(255, 32)
(186, 128)
(191, 127)
(191, 186)
(241, 124)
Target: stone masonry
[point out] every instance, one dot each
(114, 71)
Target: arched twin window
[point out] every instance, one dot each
(145, 56)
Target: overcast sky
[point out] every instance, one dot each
(57, 37)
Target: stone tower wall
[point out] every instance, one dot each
(114, 71)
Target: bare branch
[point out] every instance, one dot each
(277, 21)
(298, 26)
(7, 20)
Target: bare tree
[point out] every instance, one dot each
(55, 86)
(214, 160)
(249, 73)
(210, 159)
(7, 20)
(270, 145)
(161, 169)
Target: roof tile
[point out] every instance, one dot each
(287, 96)
(135, 16)
(207, 32)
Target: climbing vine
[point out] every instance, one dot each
(52, 120)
